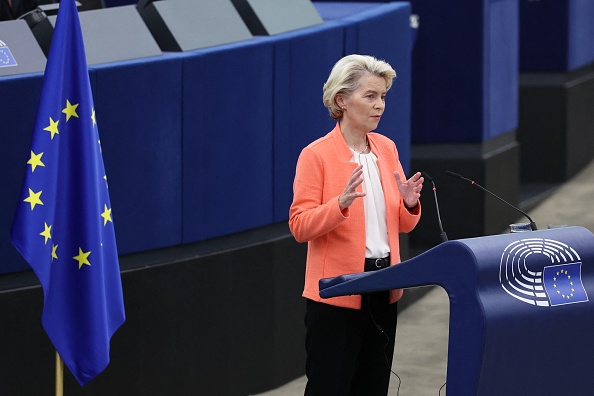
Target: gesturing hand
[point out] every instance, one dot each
(410, 189)
(350, 192)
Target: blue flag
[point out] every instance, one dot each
(6, 57)
(563, 283)
(63, 224)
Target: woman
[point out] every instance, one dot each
(351, 200)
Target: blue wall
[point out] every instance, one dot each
(556, 36)
(204, 143)
(465, 71)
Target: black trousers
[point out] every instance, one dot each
(349, 351)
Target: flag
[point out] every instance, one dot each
(563, 283)
(63, 224)
(6, 57)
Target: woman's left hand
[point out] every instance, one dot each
(410, 189)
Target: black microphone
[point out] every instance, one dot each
(443, 235)
(457, 176)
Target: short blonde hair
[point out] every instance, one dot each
(345, 76)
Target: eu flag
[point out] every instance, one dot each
(563, 284)
(6, 57)
(63, 225)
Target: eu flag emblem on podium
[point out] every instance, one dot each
(563, 284)
(63, 225)
(6, 57)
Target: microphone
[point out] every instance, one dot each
(443, 235)
(457, 176)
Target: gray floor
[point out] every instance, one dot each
(420, 356)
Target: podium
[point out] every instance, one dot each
(521, 321)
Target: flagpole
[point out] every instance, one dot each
(59, 375)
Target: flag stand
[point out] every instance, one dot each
(59, 375)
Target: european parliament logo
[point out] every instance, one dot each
(6, 57)
(542, 272)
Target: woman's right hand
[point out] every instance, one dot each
(350, 192)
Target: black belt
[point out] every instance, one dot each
(373, 264)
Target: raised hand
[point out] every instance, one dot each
(410, 189)
(350, 192)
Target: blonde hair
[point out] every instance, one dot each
(345, 76)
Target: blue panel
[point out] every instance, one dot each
(556, 36)
(448, 65)
(330, 10)
(543, 37)
(464, 61)
(227, 134)
(300, 116)
(20, 96)
(138, 107)
(581, 33)
(501, 78)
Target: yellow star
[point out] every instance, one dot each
(106, 215)
(47, 232)
(52, 128)
(82, 258)
(70, 110)
(35, 161)
(54, 252)
(33, 198)
(93, 118)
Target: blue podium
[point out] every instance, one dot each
(520, 316)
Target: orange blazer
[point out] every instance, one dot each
(336, 239)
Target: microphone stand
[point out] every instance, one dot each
(443, 235)
(457, 176)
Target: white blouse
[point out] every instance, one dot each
(376, 230)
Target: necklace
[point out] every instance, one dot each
(364, 150)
